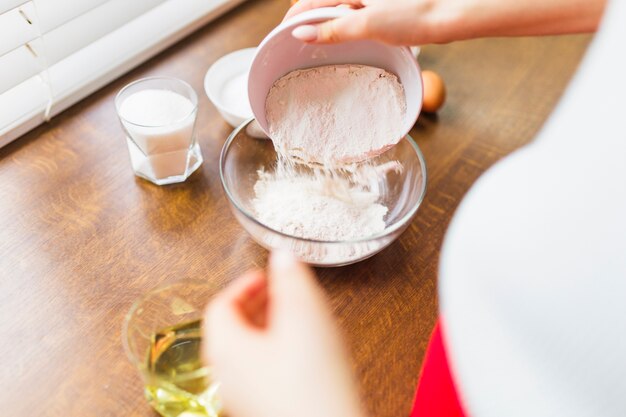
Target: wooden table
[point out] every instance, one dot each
(81, 237)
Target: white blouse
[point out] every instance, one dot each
(533, 269)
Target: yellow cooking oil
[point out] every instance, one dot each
(177, 383)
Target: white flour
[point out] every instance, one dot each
(329, 115)
(335, 114)
(321, 206)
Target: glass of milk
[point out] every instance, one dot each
(158, 115)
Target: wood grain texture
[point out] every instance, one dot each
(81, 237)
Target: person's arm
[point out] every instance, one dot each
(418, 22)
(272, 343)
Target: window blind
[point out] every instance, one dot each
(55, 52)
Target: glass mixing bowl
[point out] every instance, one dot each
(247, 150)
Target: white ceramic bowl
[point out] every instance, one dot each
(226, 85)
(280, 53)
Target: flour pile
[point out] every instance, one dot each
(319, 206)
(335, 114)
(321, 121)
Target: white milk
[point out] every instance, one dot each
(160, 123)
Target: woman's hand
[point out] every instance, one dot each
(398, 22)
(419, 22)
(272, 343)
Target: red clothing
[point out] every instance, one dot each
(436, 395)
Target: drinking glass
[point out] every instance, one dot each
(162, 150)
(162, 338)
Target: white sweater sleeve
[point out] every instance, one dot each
(533, 268)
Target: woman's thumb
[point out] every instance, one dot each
(348, 28)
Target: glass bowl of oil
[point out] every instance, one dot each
(162, 337)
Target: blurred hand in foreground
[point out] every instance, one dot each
(272, 343)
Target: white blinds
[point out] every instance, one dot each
(55, 52)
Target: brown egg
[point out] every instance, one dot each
(434, 92)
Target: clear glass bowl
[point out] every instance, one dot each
(246, 151)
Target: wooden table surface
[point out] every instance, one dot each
(81, 237)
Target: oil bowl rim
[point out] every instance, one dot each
(397, 225)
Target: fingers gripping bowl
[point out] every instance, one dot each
(402, 192)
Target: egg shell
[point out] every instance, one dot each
(434, 91)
